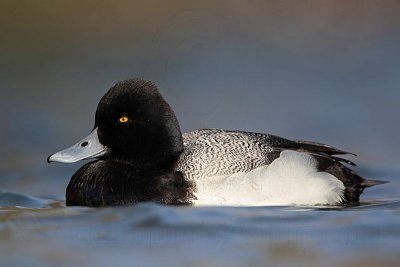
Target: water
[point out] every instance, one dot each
(153, 235)
(319, 71)
(37, 231)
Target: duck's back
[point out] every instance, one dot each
(212, 152)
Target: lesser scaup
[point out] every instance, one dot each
(141, 155)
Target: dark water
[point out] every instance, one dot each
(326, 71)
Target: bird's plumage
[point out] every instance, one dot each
(141, 155)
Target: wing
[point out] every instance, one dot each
(216, 152)
(279, 144)
(319, 147)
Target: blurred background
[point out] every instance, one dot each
(326, 71)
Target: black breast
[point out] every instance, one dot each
(107, 183)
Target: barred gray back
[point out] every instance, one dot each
(211, 152)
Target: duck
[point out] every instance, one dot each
(138, 153)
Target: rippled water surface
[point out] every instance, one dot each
(43, 232)
(326, 71)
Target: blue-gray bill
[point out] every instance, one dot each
(88, 148)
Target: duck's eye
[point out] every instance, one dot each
(123, 119)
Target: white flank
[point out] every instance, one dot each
(291, 179)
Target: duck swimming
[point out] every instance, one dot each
(141, 155)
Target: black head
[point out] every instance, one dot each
(137, 125)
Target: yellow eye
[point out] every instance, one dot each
(123, 119)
